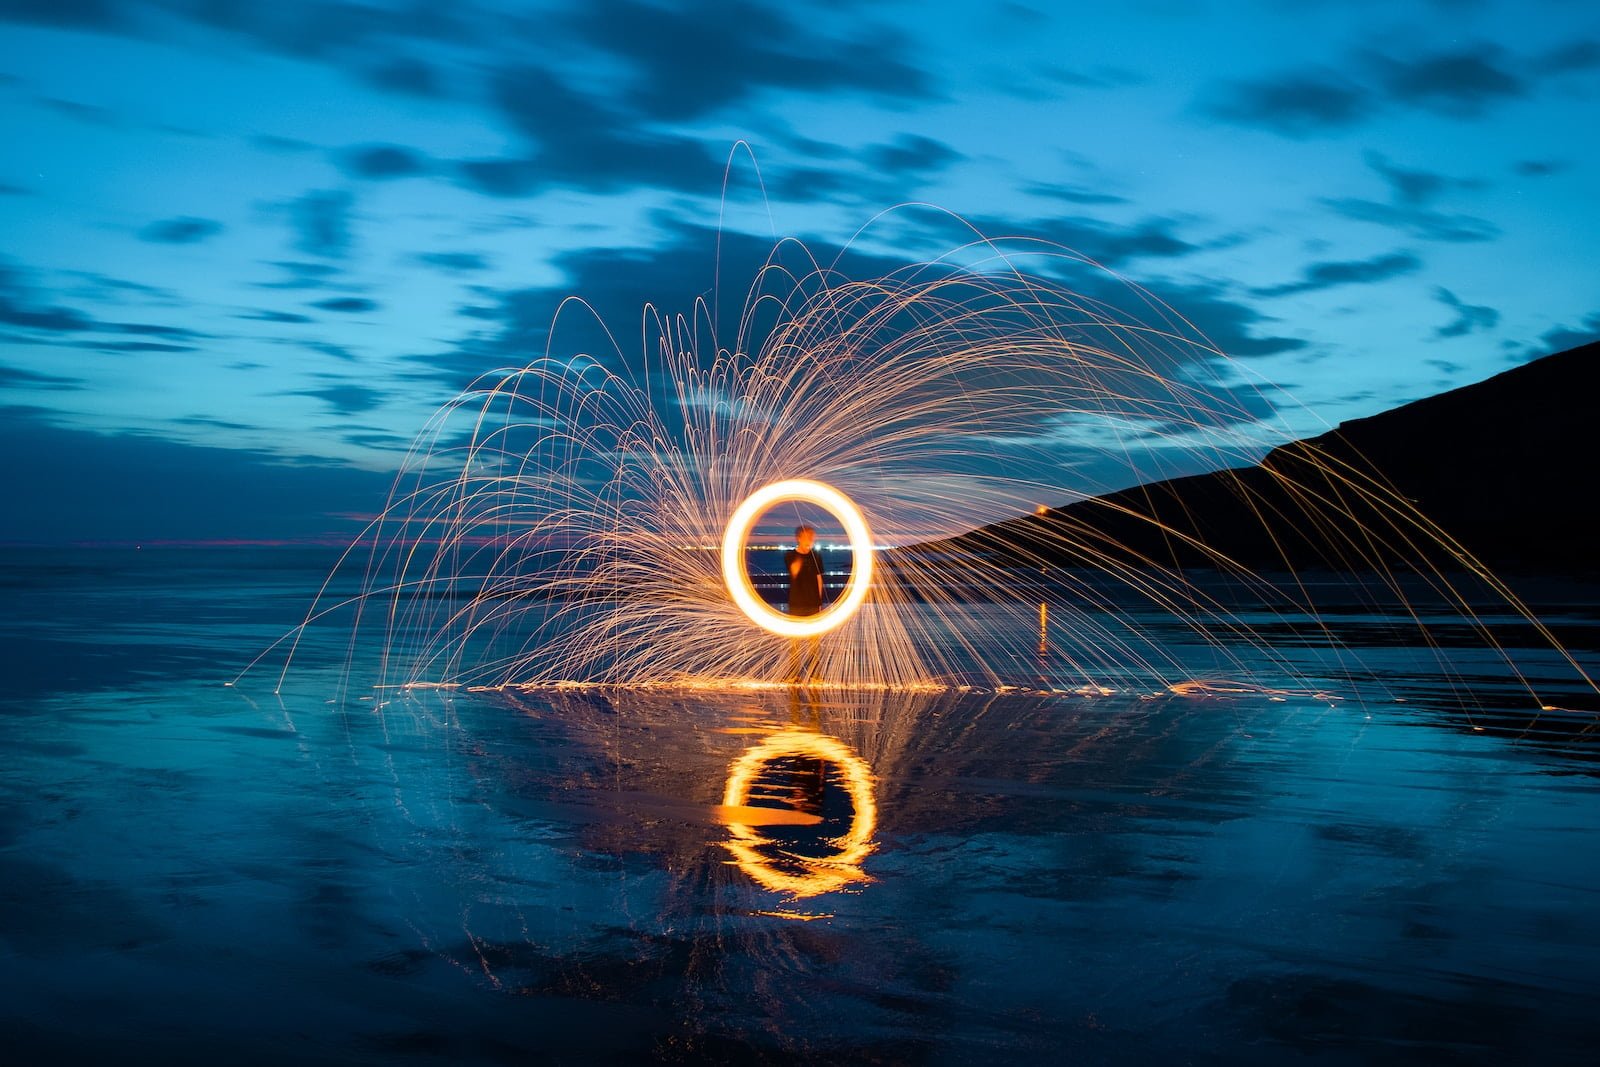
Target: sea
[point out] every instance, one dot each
(1387, 854)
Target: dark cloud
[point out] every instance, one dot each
(1469, 317)
(1099, 242)
(1074, 194)
(1319, 276)
(1296, 104)
(86, 486)
(333, 30)
(20, 378)
(1424, 223)
(24, 308)
(1578, 55)
(270, 315)
(1462, 83)
(1416, 187)
(384, 161)
(704, 55)
(212, 422)
(104, 287)
(328, 348)
(1562, 338)
(184, 230)
(454, 262)
(301, 275)
(376, 440)
(19, 307)
(1540, 168)
(273, 143)
(347, 304)
(1411, 205)
(617, 282)
(345, 398)
(150, 329)
(405, 74)
(584, 143)
(134, 346)
(76, 14)
(878, 173)
(92, 114)
(321, 220)
(911, 155)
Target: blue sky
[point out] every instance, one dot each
(251, 247)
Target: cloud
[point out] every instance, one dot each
(384, 161)
(1416, 187)
(86, 486)
(271, 142)
(1469, 317)
(301, 275)
(15, 309)
(1326, 275)
(1564, 337)
(1295, 104)
(184, 230)
(911, 154)
(321, 221)
(271, 315)
(134, 346)
(149, 329)
(7, 189)
(92, 114)
(1423, 223)
(328, 348)
(1100, 242)
(405, 74)
(1412, 194)
(1575, 56)
(1540, 168)
(705, 55)
(453, 262)
(347, 304)
(20, 378)
(1074, 194)
(345, 398)
(106, 288)
(332, 30)
(1462, 83)
(73, 14)
(583, 143)
(23, 308)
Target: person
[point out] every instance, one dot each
(805, 598)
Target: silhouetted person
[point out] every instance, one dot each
(805, 598)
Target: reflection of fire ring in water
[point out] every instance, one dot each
(825, 874)
(737, 575)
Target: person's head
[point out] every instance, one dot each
(804, 536)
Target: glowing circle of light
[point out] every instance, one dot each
(737, 576)
(825, 874)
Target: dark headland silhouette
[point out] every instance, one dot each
(1506, 467)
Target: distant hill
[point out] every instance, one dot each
(1506, 467)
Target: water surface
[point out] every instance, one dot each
(1346, 861)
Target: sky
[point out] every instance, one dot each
(249, 248)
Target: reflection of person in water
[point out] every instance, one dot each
(805, 598)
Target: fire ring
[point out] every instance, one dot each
(737, 575)
(824, 875)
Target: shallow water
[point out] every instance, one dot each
(1352, 864)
